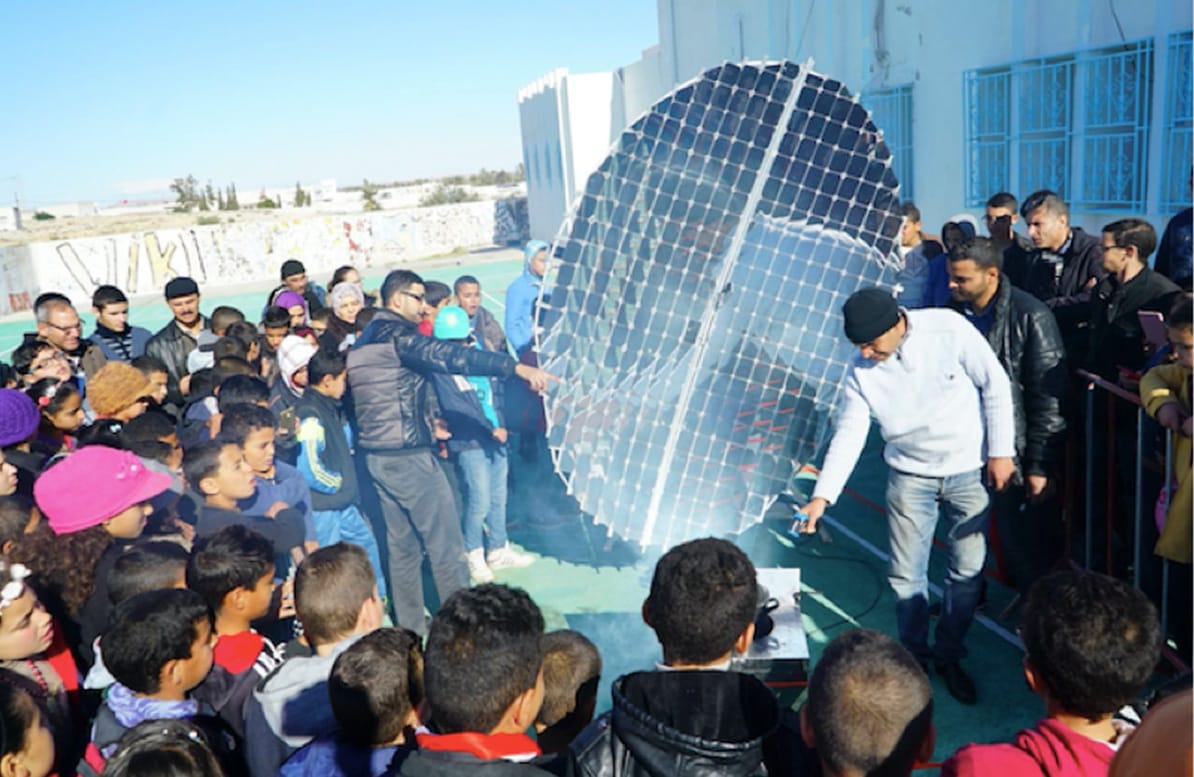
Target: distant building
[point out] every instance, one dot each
(973, 97)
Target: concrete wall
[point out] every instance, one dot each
(233, 253)
(874, 44)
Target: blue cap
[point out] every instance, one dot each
(451, 323)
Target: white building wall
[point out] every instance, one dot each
(874, 44)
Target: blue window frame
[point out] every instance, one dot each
(891, 110)
(1177, 160)
(1077, 124)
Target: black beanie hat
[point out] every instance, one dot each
(181, 287)
(292, 267)
(869, 313)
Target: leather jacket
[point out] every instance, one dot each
(1025, 336)
(690, 723)
(394, 404)
(173, 346)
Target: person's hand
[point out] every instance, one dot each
(812, 512)
(213, 425)
(999, 471)
(184, 384)
(441, 430)
(500, 434)
(286, 600)
(1170, 416)
(537, 378)
(275, 508)
(184, 529)
(1036, 486)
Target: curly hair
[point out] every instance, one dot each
(64, 565)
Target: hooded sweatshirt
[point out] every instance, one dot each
(521, 296)
(1049, 750)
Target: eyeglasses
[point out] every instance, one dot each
(412, 295)
(75, 327)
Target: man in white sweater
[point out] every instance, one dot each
(944, 407)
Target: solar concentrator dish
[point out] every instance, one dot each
(695, 311)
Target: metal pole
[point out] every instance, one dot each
(1137, 526)
(1089, 485)
(1168, 472)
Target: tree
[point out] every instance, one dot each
(210, 193)
(203, 203)
(266, 202)
(186, 191)
(301, 198)
(220, 204)
(369, 195)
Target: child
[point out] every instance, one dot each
(484, 684)
(275, 325)
(571, 673)
(153, 436)
(293, 355)
(19, 420)
(436, 297)
(1165, 392)
(471, 407)
(157, 748)
(155, 370)
(61, 407)
(375, 689)
(219, 472)
(119, 391)
(26, 634)
(27, 747)
(197, 421)
(243, 389)
(204, 354)
(335, 594)
(36, 360)
(255, 429)
(233, 570)
(1090, 644)
(95, 502)
(326, 463)
(18, 517)
(158, 647)
(319, 323)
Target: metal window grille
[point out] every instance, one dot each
(1177, 160)
(891, 110)
(988, 133)
(1043, 96)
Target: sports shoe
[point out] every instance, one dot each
(957, 682)
(506, 557)
(478, 571)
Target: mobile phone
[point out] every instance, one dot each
(1153, 325)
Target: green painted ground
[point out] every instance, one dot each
(590, 582)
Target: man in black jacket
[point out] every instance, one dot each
(1024, 335)
(1116, 336)
(702, 608)
(174, 342)
(396, 418)
(1061, 271)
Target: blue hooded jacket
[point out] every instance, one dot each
(521, 296)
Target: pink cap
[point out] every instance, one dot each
(92, 485)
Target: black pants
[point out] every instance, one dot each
(416, 504)
(1031, 536)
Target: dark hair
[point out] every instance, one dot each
(870, 705)
(8, 375)
(148, 427)
(63, 565)
(150, 364)
(911, 212)
(18, 713)
(483, 651)
(571, 671)
(330, 587)
(325, 362)
(148, 631)
(243, 332)
(55, 393)
(241, 420)
(364, 317)
(227, 366)
(25, 353)
(228, 347)
(464, 280)
(1050, 200)
(233, 557)
(107, 295)
(375, 684)
(242, 390)
(435, 292)
(339, 273)
(223, 317)
(203, 460)
(202, 381)
(1091, 639)
(980, 250)
(396, 281)
(1181, 315)
(320, 314)
(703, 596)
(147, 566)
(15, 510)
(275, 317)
(1003, 200)
(1137, 233)
(163, 748)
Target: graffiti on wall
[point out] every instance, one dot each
(511, 222)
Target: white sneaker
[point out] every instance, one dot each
(478, 571)
(506, 557)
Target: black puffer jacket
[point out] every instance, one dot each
(681, 724)
(394, 405)
(173, 346)
(1025, 336)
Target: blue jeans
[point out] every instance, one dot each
(348, 525)
(914, 504)
(483, 480)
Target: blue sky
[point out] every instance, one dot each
(105, 101)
